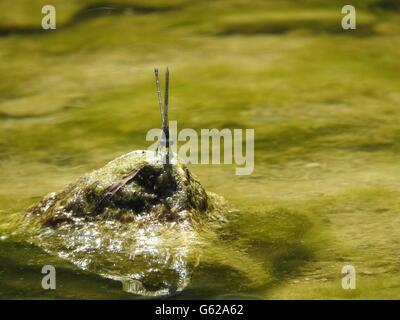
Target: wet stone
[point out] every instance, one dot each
(143, 232)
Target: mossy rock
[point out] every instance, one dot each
(145, 234)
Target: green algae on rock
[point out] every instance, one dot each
(144, 235)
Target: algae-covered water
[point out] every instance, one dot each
(324, 104)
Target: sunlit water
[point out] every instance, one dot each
(246, 241)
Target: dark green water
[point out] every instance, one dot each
(256, 246)
(323, 103)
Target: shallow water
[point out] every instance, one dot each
(324, 106)
(216, 277)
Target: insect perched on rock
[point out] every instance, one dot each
(165, 141)
(139, 219)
